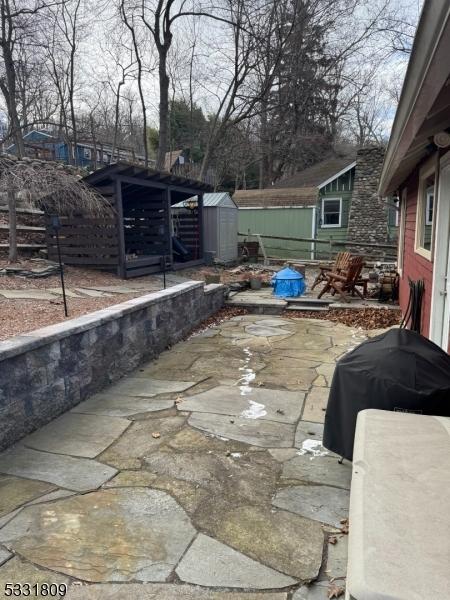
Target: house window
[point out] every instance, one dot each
(331, 212)
(425, 210)
(87, 153)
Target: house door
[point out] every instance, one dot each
(440, 303)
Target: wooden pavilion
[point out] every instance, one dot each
(142, 234)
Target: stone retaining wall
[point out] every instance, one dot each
(46, 372)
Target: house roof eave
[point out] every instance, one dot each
(336, 175)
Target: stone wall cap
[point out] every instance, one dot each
(32, 340)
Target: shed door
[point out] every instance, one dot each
(227, 234)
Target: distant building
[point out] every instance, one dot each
(334, 200)
(89, 154)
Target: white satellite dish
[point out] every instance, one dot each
(442, 139)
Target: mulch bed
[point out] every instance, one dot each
(367, 318)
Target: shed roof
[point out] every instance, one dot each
(317, 174)
(222, 199)
(159, 178)
(276, 197)
(219, 199)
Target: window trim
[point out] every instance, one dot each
(427, 208)
(401, 232)
(323, 226)
(429, 168)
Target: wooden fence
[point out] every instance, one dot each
(331, 247)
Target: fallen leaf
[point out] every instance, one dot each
(156, 434)
(345, 525)
(178, 400)
(332, 540)
(335, 591)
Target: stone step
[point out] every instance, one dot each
(310, 307)
(309, 301)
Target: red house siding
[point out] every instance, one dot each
(415, 266)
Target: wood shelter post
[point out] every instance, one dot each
(200, 225)
(120, 229)
(168, 194)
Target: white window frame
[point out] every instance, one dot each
(401, 232)
(427, 208)
(331, 226)
(87, 153)
(428, 169)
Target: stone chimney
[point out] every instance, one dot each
(368, 216)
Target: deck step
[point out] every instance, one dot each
(310, 307)
(309, 301)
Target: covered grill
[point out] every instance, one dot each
(399, 370)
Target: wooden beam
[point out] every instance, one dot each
(120, 229)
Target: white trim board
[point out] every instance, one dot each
(333, 177)
(273, 207)
(322, 225)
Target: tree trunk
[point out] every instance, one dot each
(163, 109)
(10, 93)
(12, 225)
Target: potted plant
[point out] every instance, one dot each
(255, 280)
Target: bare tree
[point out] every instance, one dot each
(48, 186)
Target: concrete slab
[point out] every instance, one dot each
(110, 535)
(400, 492)
(210, 563)
(314, 591)
(316, 404)
(56, 495)
(92, 293)
(4, 555)
(120, 406)
(273, 322)
(134, 386)
(15, 492)
(267, 434)
(138, 441)
(77, 434)
(69, 293)
(278, 539)
(318, 469)
(266, 331)
(306, 431)
(27, 295)
(336, 565)
(114, 289)
(167, 591)
(78, 474)
(19, 570)
(256, 403)
(319, 502)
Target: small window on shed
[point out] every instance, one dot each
(87, 153)
(331, 212)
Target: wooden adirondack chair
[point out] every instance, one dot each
(345, 283)
(340, 264)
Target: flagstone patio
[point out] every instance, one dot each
(203, 468)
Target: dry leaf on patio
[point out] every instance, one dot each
(178, 400)
(335, 591)
(156, 434)
(332, 540)
(345, 525)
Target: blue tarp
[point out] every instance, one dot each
(288, 283)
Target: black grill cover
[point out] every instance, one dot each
(397, 370)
